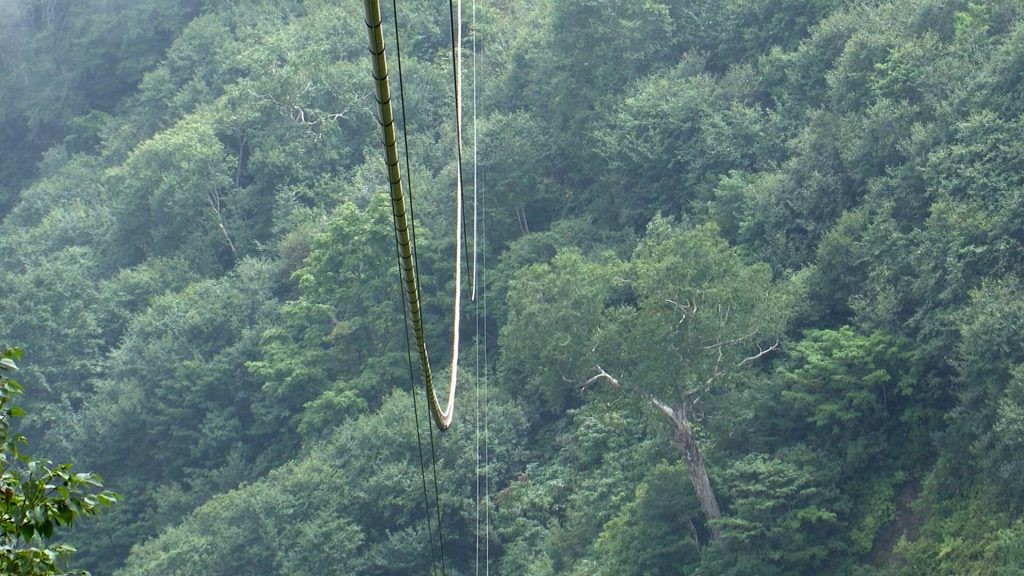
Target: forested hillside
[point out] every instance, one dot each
(751, 283)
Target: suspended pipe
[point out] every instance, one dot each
(442, 418)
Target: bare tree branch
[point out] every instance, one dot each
(720, 345)
(215, 203)
(654, 402)
(761, 352)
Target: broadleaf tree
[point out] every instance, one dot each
(37, 496)
(668, 328)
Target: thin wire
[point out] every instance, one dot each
(419, 435)
(479, 215)
(437, 500)
(476, 302)
(487, 444)
(412, 232)
(476, 375)
(404, 137)
(456, 74)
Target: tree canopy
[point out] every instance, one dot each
(750, 290)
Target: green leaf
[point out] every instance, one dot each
(46, 528)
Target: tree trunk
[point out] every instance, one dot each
(686, 444)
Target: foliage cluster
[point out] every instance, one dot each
(38, 496)
(761, 254)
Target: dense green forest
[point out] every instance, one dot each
(752, 283)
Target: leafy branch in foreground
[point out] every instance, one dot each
(37, 496)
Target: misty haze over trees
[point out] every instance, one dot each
(752, 285)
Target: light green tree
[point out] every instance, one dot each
(36, 496)
(669, 328)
